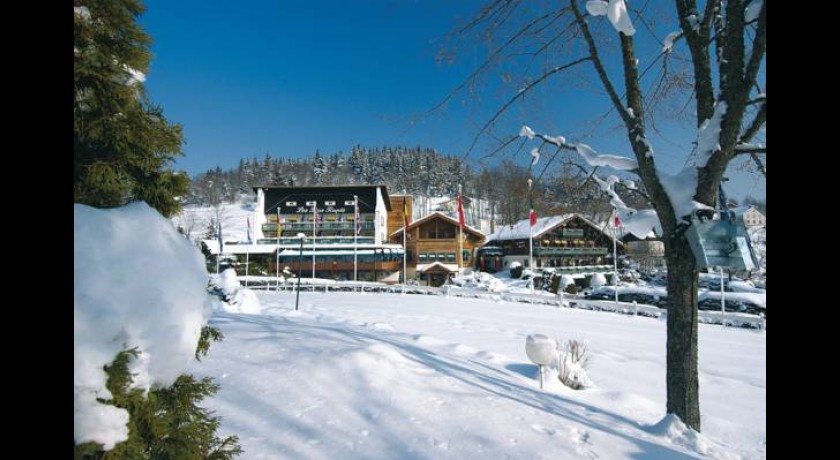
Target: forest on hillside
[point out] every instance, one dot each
(420, 171)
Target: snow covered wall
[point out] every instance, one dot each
(136, 283)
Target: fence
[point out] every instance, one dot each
(628, 308)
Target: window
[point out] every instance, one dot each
(450, 257)
(311, 203)
(291, 203)
(422, 258)
(329, 203)
(349, 203)
(441, 257)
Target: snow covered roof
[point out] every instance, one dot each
(322, 248)
(438, 215)
(521, 229)
(422, 268)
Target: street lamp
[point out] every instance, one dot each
(302, 238)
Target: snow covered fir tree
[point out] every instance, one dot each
(131, 396)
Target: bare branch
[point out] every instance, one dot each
(490, 59)
(759, 46)
(755, 125)
(697, 44)
(519, 95)
(750, 148)
(761, 168)
(599, 66)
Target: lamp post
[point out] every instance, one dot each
(302, 238)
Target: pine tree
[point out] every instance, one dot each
(122, 143)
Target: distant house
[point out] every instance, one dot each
(436, 247)
(754, 218)
(570, 243)
(648, 252)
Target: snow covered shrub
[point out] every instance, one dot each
(571, 289)
(140, 308)
(597, 280)
(515, 270)
(572, 363)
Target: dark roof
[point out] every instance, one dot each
(342, 194)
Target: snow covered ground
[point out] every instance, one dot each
(354, 375)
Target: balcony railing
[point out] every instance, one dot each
(307, 226)
(570, 251)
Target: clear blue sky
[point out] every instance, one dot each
(287, 77)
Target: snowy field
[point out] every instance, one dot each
(357, 376)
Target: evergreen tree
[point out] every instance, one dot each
(123, 147)
(122, 143)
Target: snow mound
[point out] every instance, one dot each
(677, 433)
(136, 283)
(235, 298)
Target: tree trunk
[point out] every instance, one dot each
(681, 348)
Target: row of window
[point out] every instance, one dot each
(429, 257)
(315, 203)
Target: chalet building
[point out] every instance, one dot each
(335, 235)
(754, 218)
(569, 243)
(436, 247)
(648, 252)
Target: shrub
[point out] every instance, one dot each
(165, 423)
(572, 289)
(572, 363)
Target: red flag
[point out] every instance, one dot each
(461, 218)
(533, 217)
(616, 220)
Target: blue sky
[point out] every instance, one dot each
(289, 77)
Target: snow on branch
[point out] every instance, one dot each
(586, 152)
(708, 135)
(613, 161)
(616, 12)
(670, 39)
(638, 222)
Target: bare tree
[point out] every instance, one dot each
(710, 70)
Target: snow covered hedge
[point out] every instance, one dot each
(140, 285)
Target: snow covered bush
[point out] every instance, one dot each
(597, 280)
(234, 297)
(515, 270)
(572, 362)
(571, 288)
(140, 308)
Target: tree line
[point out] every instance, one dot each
(501, 189)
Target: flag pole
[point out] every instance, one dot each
(314, 228)
(615, 252)
(221, 245)
(531, 234)
(247, 248)
(355, 237)
(461, 222)
(405, 246)
(277, 256)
